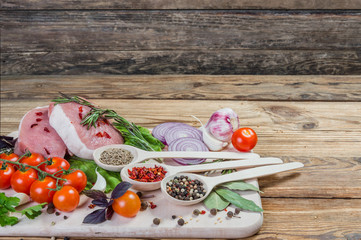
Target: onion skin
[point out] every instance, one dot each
(222, 124)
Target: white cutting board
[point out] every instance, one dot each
(141, 226)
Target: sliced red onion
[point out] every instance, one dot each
(159, 130)
(188, 144)
(182, 131)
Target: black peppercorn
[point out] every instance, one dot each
(174, 216)
(181, 222)
(196, 212)
(156, 221)
(214, 211)
(143, 206)
(230, 214)
(237, 211)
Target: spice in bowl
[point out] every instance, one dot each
(145, 174)
(116, 156)
(184, 188)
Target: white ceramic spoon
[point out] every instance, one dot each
(210, 182)
(171, 170)
(141, 155)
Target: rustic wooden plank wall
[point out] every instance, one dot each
(180, 37)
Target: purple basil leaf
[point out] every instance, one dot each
(110, 202)
(98, 216)
(120, 189)
(101, 202)
(95, 194)
(109, 212)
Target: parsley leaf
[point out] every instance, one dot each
(32, 212)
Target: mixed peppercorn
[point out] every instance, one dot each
(184, 188)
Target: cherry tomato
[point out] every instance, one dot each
(34, 160)
(56, 164)
(40, 190)
(128, 205)
(66, 199)
(76, 179)
(244, 139)
(5, 176)
(10, 157)
(21, 181)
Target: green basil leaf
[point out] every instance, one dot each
(215, 201)
(240, 185)
(112, 179)
(237, 200)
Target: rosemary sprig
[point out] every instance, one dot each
(127, 129)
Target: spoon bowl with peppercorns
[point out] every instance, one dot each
(148, 176)
(189, 189)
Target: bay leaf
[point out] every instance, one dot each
(237, 200)
(240, 185)
(215, 201)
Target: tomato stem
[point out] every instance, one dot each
(22, 165)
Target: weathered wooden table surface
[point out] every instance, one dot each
(311, 119)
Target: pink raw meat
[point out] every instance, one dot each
(65, 118)
(37, 136)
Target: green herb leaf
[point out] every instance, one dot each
(112, 179)
(8, 204)
(5, 220)
(215, 201)
(237, 200)
(32, 212)
(153, 142)
(240, 185)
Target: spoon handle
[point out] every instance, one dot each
(253, 173)
(226, 165)
(212, 155)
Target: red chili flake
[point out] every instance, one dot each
(105, 134)
(99, 134)
(81, 109)
(80, 112)
(46, 129)
(80, 116)
(39, 114)
(91, 206)
(203, 212)
(33, 125)
(47, 151)
(152, 205)
(39, 119)
(143, 174)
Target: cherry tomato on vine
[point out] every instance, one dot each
(76, 179)
(128, 205)
(10, 157)
(5, 175)
(40, 190)
(244, 139)
(34, 160)
(21, 181)
(66, 199)
(55, 165)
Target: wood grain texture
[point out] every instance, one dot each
(298, 219)
(325, 136)
(257, 62)
(181, 4)
(202, 87)
(67, 31)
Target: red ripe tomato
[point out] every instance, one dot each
(10, 157)
(5, 176)
(21, 181)
(244, 139)
(40, 190)
(34, 160)
(128, 205)
(76, 179)
(66, 199)
(56, 164)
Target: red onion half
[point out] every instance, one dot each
(182, 131)
(188, 144)
(160, 130)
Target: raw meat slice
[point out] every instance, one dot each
(36, 135)
(66, 119)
